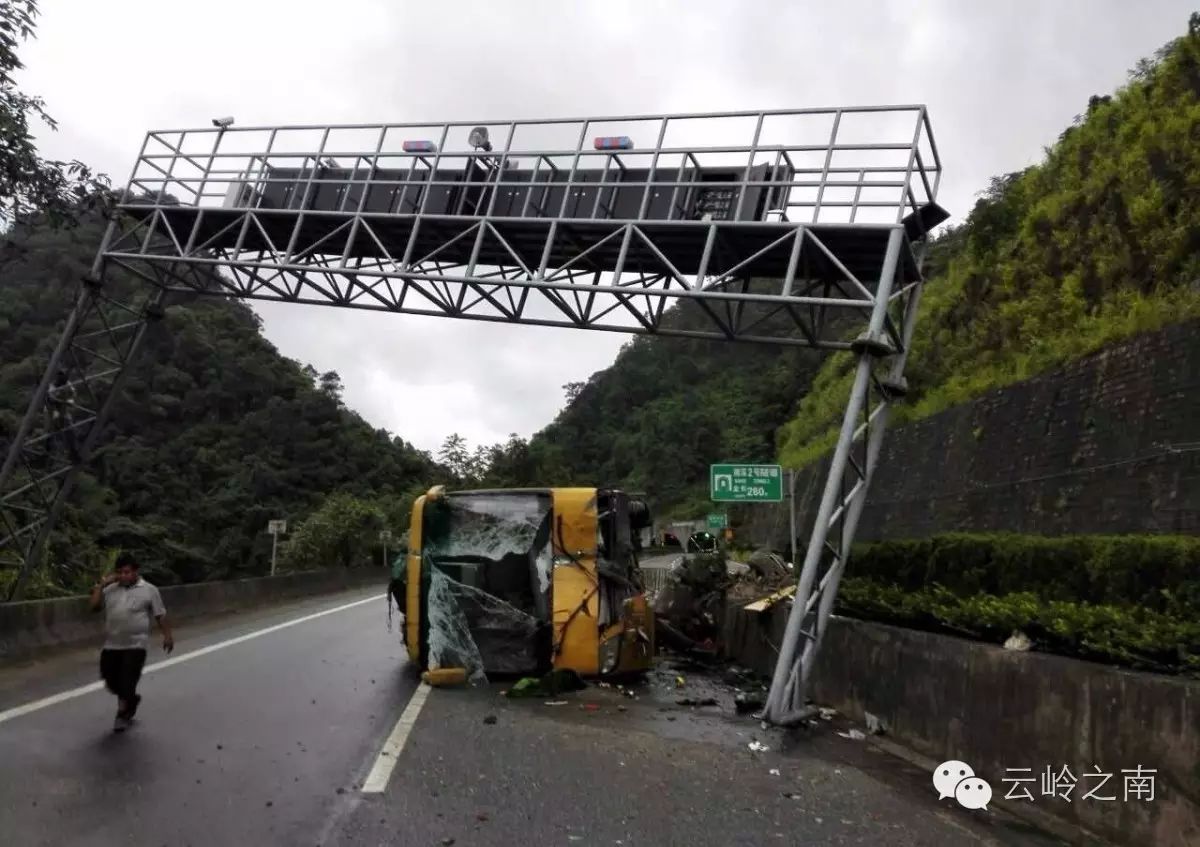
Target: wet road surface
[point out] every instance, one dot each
(268, 740)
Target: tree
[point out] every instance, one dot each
(573, 389)
(455, 456)
(331, 386)
(343, 532)
(30, 185)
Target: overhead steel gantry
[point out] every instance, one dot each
(769, 222)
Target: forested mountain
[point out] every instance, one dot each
(214, 433)
(1099, 241)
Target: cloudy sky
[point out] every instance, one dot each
(1001, 81)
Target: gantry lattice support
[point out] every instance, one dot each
(878, 382)
(781, 227)
(62, 425)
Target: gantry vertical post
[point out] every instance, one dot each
(33, 506)
(813, 600)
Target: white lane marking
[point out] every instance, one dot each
(18, 711)
(381, 772)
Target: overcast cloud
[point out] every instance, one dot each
(1001, 81)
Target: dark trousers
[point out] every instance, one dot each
(121, 670)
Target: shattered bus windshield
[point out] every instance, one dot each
(490, 590)
(488, 526)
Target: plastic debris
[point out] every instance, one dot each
(853, 734)
(774, 771)
(875, 724)
(827, 714)
(758, 747)
(490, 720)
(558, 681)
(680, 682)
(1018, 641)
(556, 702)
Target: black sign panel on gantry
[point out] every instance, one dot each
(611, 194)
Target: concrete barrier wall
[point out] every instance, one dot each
(29, 626)
(949, 698)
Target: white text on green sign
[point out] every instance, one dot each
(753, 483)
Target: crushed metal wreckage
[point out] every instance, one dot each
(690, 606)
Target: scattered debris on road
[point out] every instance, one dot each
(490, 720)
(875, 724)
(758, 747)
(442, 677)
(744, 703)
(854, 734)
(693, 701)
(559, 681)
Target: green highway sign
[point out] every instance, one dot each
(716, 521)
(746, 483)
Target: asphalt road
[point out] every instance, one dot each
(268, 741)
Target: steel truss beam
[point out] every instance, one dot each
(616, 277)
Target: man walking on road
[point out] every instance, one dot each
(128, 602)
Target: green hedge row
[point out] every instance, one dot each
(1133, 637)
(1128, 600)
(1156, 573)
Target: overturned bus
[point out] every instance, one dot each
(522, 581)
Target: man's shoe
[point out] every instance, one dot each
(133, 707)
(121, 724)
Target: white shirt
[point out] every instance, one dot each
(127, 614)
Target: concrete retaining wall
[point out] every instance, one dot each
(949, 698)
(36, 624)
(1102, 445)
